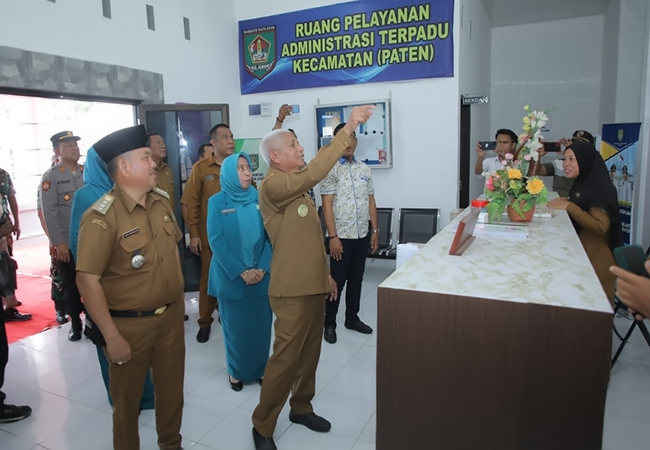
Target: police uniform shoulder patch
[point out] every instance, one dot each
(103, 204)
(157, 190)
(46, 185)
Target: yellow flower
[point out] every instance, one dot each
(527, 107)
(534, 186)
(514, 174)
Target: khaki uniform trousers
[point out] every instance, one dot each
(292, 367)
(207, 303)
(157, 342)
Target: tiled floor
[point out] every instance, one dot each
(61, 382)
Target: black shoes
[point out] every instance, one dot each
(235, 386)
(203, 335)
(263, 443)
(360, 327)
(75, 331)
(330, 334)
(61, 318)
(13, 315)
(13, 413)
(311, 421)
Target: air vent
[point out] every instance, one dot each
(186, 27)
(151, 20)
(106, 8)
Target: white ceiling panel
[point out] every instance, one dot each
(516, 12)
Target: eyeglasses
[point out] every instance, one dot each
(353, 135)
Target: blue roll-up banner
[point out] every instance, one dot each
(347, 43)
(619, 149)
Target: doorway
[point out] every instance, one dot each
(184, 127)
(25, 147)
(464, 166)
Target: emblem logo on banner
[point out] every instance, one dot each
(259, 51)
(255, 162)
(621, 135)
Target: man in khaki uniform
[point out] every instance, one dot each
(300, 279)
(203, 184)
(130, 276)
(165, 178)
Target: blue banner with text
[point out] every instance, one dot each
(347, 43)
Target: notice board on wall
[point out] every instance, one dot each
(374, 146)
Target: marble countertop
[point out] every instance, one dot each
(549, 267)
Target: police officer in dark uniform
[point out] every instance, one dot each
(58, 187)
(130, 276)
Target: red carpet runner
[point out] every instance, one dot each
(34, 292)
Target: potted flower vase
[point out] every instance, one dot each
(516, 217)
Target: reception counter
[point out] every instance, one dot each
(505, 347)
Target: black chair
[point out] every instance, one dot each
(619, 305)
(385, 222)
(416, 226)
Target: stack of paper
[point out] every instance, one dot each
(504, 230)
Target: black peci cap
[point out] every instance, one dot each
(64, 136)
(584, 136)
(121, 141)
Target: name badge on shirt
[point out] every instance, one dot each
(63, 182)
(209, 178)
(227, 211)
(136, 230)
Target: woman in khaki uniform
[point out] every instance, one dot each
(593, 207)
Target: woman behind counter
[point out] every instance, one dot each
(239, 271)
(593, 208)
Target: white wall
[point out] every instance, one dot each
(548, 65)
(475, 59)
(201, 70)
(631, 49)
(425, 124)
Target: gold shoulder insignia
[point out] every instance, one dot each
(103, 204)
(157, 190)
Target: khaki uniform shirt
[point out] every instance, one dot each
(165, 180)
(114, 230)
(203, 183)
(57, 191)
(299, 263)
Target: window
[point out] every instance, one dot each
(151, 20)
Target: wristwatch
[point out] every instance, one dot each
(375, 231)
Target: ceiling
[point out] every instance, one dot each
(516, 12)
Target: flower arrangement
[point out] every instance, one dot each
(509, 187)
